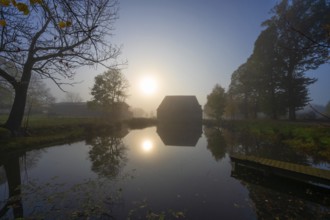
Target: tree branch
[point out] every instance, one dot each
(320, 113)
(9, 78)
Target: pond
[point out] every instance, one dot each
(155, 173)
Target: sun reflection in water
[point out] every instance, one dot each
(147, 145)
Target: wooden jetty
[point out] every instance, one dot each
(283, 169)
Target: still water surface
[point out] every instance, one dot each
(149, 174)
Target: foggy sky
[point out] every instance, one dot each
(187, 46)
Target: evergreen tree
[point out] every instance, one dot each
(243, 90)
(268, 69)
(297, 53)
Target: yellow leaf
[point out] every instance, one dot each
(23, 8)
(4, 2)
(62, 24)
(32, 2)
(3, 23)
(68, 23)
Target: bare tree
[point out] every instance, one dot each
(39, 96)
(73, 97)
(52, 40)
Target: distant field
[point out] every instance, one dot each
(37, 121)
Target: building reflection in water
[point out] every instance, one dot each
(179, 134)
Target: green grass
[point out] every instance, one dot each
(3, 119)
(45, 131)
(309, 138)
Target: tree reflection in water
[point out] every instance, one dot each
(262, 146)
(13, 176)
(221, 141)
(10, 174)
(216, 142)
(54, 199)
(108, 153)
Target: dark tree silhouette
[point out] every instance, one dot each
(273, 78)
(109, 88)
(298, 53)
(216, 102)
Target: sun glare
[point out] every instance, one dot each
(148, 85)
(147, 145)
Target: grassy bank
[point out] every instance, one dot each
(46, 131)
(312, 138)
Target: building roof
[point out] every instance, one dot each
(187, 102)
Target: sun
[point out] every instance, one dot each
(148, 85)
(147, 145)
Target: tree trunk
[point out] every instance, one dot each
(274, 115)
(291, 103)
(274, 102)
(292, 113)
(16, 115)
(274, 109)
(246, 107)
(290, 97)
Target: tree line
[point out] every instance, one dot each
(296, 39)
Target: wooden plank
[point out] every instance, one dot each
(285, 168)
